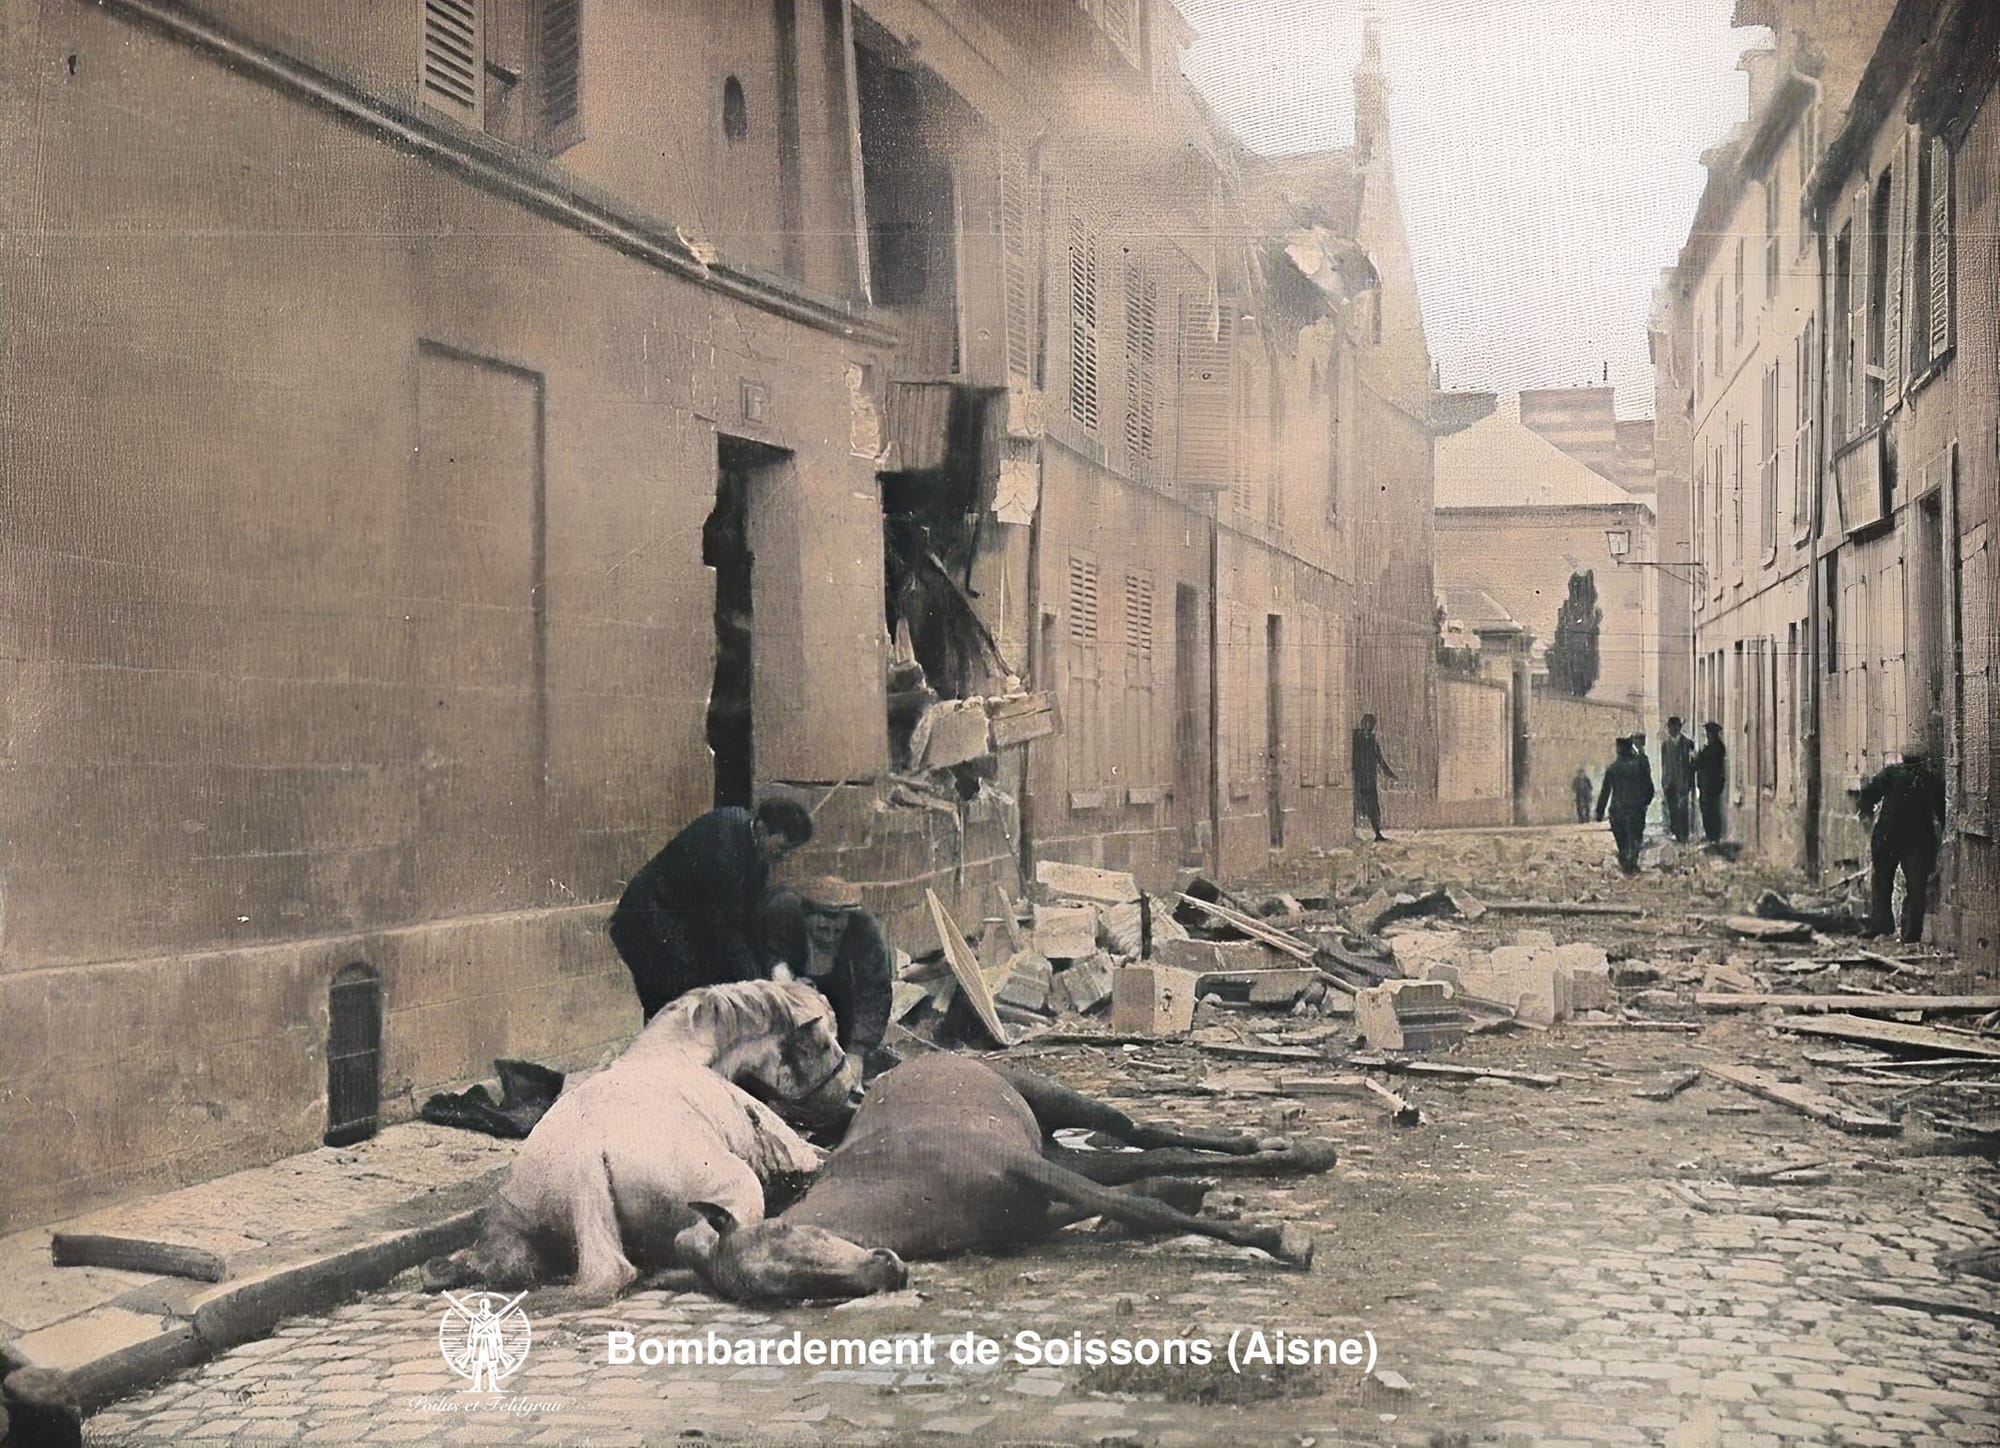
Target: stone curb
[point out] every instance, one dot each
(229, 1313)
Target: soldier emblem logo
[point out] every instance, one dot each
(484, 1339)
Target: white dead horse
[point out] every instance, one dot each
(606, 1178)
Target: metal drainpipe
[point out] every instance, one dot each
(1815, 605)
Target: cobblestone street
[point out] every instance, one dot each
(1576, 1265)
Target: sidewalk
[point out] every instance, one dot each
(292, 1237)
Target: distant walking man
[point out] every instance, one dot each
(1711, 775)
(1628, 790)
(688, 918)
(1677, 777)
(1580, 788)
(1367, 758)
(1906, 834)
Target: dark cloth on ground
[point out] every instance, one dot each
(527, 1090)
(686, 919)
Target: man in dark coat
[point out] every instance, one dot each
(838, 947)
(1906, 832)
(1711, 776)
(1580, 788)
(689, 917)
(1628, 791)
(1677, 778)
(1366, 759)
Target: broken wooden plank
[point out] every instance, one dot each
(1450, 1072)
(137, 1254)
(1554, 907)
(1254, 928)
(965, 970)
(1849, 1001)
(1323, 1086)
(1891, 1035)
(1686, 1028)
(1243, 1052)
(1020, 718)
(1671, 1088)
(1828, 1110)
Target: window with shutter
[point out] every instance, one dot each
(1083, 400)
(1139, 628)
(1804, 440)
(1767, 469)
(1016, 208)
(1142, 330)
(1975, 695)
(1739, 290)
(559, 65)
(452, 78)
(1083, 703)
(1940, 249)
(1772, 193)
(1206, 413)
(1082, 600)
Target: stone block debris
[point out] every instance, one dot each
(1409, 1015)
(1153, 1000)
(1066, 932)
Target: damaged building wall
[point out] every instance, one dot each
(356, 578)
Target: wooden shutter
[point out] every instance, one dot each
(1939, 302)
(1016, 253)
(1975, 699)
(1142, 329)
(452, 78)
(1083, 400)
(1083, 708)
(1138, 729)
(1206, 415)
(559, 67)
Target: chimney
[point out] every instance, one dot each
(1371, 88)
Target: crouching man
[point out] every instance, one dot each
(689, 917)
(825, 938)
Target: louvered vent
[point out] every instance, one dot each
(1083, 323)
(1014, 208)
(1142, 331)
(561, 58)
(453, 79)
(1139, 622)
(1082, 600)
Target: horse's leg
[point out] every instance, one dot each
(1056, 1107)
(1183, 1194)
(1287, 1244)
(1115, 1168)
(602, 1269)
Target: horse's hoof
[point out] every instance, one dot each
(1294, 1247)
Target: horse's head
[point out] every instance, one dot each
(777, 1039)
(777, 1261)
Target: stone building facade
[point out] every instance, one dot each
(402, 398)
(1813, 337)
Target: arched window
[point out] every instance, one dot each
(735, 111)
(353, 1055)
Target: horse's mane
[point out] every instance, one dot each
(734, 1012)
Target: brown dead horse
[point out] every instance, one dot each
(948, 1155)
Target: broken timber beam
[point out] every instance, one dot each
(1556, 907)
(1668, 1090)
(1935, 1004)
(1892, 1035)
(1400, 1111)
(1256, 929)
(1450, 1072)
(1828, 1110)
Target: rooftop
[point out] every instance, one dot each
(1500, 462)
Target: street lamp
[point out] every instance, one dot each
(1619, 542)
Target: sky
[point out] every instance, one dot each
(1547, 154)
